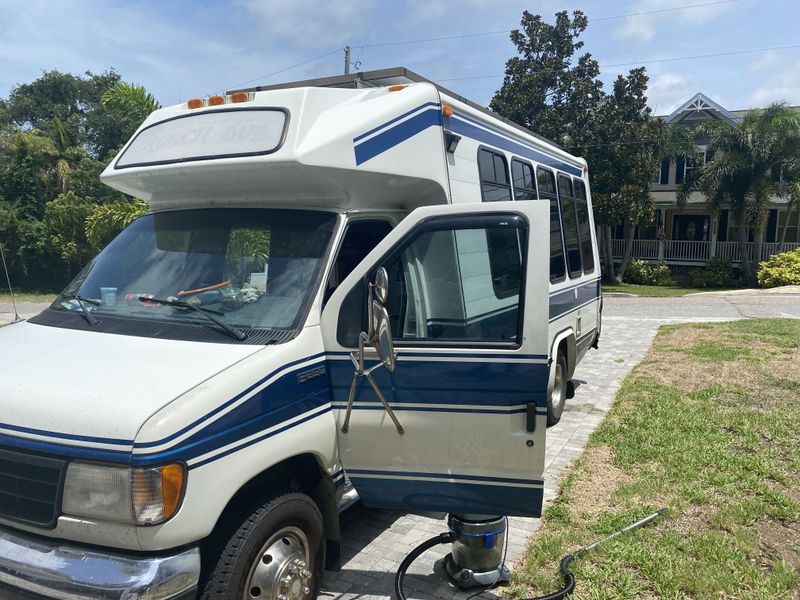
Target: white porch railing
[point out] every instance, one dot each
(683, 251)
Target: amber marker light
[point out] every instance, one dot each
(195, 103)
(157, 492)
(447, 110)
(396, 88)
(240, 97)
(216, 100)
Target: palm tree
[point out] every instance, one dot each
(741, 171)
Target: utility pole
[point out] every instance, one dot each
(347, 60)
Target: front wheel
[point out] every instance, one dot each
(558, 395)
(275, 553)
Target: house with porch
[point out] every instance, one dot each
(693, 234)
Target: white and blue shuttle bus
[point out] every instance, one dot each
(358, 287)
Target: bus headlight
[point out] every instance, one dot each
(143, 496)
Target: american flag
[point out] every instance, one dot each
(661, 234)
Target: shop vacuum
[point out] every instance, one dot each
(477, 556)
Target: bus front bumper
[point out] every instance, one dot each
(52, 569)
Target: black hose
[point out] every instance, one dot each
(569, 582)
(442, 538)
(446, 538)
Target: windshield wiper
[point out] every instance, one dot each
(209, 314)
(82, 304)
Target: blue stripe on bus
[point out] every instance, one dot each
(458, 497)
(395, 135)
(463, 125)
(458, 123)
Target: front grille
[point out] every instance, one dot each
(30, 487)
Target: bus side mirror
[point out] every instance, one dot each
(380, 334)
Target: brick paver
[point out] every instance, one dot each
(375, 542)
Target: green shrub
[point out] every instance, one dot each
(643, 273)
(717, 273)
(780, 269)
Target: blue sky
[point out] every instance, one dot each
(179, 49)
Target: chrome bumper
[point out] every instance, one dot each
(56, 570)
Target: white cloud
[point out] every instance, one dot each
(667, 91)
(780, 83)
(643, 28)
(310, 23)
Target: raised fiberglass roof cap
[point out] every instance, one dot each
(382, 78)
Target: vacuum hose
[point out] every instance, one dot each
(446, 538)
(442, 538)
(569, 578)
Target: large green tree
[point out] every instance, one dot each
(57, 134)
(742, 171)
(546, 87)
(624, 145)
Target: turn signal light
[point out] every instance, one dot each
(216, 100)
(195, 103)
(447, 110)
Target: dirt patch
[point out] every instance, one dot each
(779, 541)
(785, 365)
(595, 493)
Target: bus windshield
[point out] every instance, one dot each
(252, 268)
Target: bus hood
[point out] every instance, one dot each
(84, 393)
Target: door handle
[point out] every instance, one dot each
(530, 417)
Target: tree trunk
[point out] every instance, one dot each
(758, 244)
(747, 270)
(608, 257)
(626, 256)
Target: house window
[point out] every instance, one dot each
(696, 162)
(794, 225)
(524, 183)
(493, 173)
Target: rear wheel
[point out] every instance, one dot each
(275, 553)
(558, 395)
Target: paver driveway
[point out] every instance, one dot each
(375, 542)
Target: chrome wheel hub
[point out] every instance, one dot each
(280, 571)
(558, 386)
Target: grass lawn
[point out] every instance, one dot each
(27, 297)
(709, 426)
(661, 291)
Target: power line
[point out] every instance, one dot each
(290, 67)
(647, 62)
(506, 31)
(470, 35)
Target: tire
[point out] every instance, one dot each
(558, 395)
(275, 550)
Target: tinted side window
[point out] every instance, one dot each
(524, 184)
(493, 173)
(584, 226)
(359, 239)
(570, 223)
(547, 191)
(458, 284)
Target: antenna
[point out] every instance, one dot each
(8, 280)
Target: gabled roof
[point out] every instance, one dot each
(700, 108)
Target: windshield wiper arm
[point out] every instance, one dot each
(209, 314)
(82, 304)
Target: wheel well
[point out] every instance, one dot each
(567, 346)
(301, 473)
